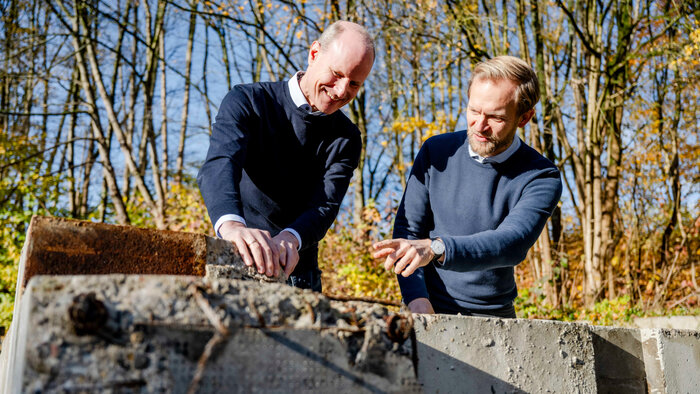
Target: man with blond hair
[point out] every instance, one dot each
(281, 157)
(475, 202)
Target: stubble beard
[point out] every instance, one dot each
(486, 149)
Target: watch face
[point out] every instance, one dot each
(437, 247)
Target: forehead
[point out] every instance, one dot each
(350, 55)
(492, 94)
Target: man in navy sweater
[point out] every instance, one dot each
(475, 202)
(281, 157)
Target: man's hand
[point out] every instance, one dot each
(404, 256)
(287, 245)
(421, 305)
(255, 246)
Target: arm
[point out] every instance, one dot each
(313, 223)
(412, 226)
(219, 178)
(508, 244)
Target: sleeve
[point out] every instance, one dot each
(341, 161)
(220, 175)
(508, 244)
(414, 220)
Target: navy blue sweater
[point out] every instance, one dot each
(488, 216)
(277, 165)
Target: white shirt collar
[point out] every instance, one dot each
(499, 158)
(295, 91)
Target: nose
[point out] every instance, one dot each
(479, 122)
(340, 88)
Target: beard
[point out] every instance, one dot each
(489, 147)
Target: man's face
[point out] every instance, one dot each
(335, 74)
(492, 116)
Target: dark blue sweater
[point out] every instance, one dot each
(488, 216)
(277, 165)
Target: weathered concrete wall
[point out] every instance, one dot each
(150, 333)
(153, 333)
(56, 246)
(619, 360)
(458, 354)
(672, 360)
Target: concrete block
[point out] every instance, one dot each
(177, 333)
(459, 354)
(672, 360)
(619, 360)
(56, 246)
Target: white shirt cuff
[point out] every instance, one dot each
(227, 218)
(295, 234)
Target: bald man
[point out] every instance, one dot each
(281, 156)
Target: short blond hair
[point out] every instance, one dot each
(527, 94)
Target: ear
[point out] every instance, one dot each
(524, 118)
(314, 51)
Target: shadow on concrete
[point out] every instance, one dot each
(619, 362)
(439, 372)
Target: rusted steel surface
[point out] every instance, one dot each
(57, 246)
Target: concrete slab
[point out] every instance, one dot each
(619, 360)
(56, 246)
(174, 334)
(672, 360)
(459, 354)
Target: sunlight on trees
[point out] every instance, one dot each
(105, 108)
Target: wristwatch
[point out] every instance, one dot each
(438, 248)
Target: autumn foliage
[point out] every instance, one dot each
(106, 107)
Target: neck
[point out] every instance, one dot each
(302, 85)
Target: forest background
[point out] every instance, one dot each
(106, 108)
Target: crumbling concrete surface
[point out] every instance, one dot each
(237, 331)
(174, 334)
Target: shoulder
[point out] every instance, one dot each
(528, 158)
(251, 98)
(529, 167)
(444, 145)
(254, 91)
(344, 128)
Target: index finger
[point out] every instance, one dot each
(387, 243)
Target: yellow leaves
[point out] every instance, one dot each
(299, 34)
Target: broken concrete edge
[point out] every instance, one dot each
(672, 359)
(8, 371)
(74, 240)
(59, 246)
(216, 305)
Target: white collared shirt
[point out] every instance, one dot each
(297, 95)
(499, 158)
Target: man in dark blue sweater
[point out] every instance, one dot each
(281, 157)
(475, 202)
